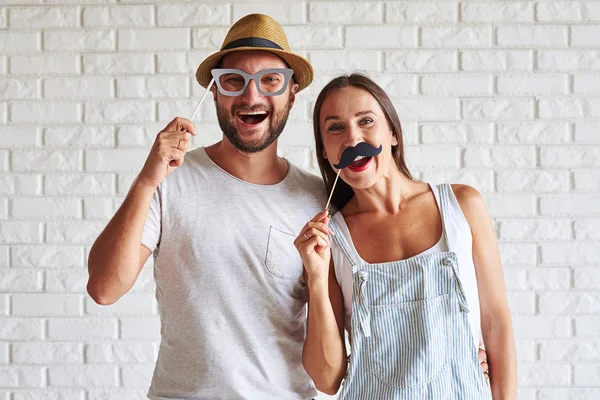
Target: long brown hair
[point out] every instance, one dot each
(343, 192)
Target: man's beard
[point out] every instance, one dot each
(276, 124)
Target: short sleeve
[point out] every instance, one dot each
(152, 227)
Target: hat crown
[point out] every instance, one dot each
(257, 26)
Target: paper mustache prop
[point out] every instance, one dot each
(362, 149)
(349, 155)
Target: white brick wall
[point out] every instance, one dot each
(501, 95)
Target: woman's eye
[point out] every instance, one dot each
(366, 121)
(335, 128)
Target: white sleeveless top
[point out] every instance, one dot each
(458, 233)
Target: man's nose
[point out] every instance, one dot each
(251, 95)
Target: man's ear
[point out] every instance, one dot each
(213, 89)
(293, 90)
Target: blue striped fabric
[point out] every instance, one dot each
(410, 333)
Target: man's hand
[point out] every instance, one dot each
(168, 151)
(483, 362)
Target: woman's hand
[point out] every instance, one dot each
(313, 245)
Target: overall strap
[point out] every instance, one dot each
(440, 192)
(360, 277)
(340, 238)
(445, 197)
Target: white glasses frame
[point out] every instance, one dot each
(218, 72)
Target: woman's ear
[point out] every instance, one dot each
(394, 139)
(323, 153)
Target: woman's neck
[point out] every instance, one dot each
(388, 195)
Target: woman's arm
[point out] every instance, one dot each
(324, 353)
(496, 321)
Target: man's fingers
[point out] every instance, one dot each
(181, 124)
(184, 135)
(173, 139)
(482, 356)
(180, 144)
(173, 156)
(485, 367)
(483, 361)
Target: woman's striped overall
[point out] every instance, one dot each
(410, 334)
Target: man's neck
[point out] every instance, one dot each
(262, 168)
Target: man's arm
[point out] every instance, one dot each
(117, 256)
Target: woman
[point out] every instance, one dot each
(413, 272)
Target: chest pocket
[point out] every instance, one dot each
(410, 341)
(282, 259)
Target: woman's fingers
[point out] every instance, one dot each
(320, 216)
(311, 232)
(309, 238)
(323, 227)
(313, 244)
(316, 227)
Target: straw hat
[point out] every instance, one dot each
(258, 32)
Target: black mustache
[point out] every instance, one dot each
(361, 149)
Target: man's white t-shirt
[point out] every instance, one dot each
(229, 283)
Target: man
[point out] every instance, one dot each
(228, 278)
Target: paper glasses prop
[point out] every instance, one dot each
(234, 82)
(269, 82)
(363, 149)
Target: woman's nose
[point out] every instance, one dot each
(353, 136)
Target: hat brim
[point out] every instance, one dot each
(303, 71)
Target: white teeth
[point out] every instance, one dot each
(359, 158)
(255, 113)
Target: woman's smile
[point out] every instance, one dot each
(360, 164)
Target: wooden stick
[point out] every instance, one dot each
(202, 99)
(333, 188)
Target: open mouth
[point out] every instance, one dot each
(252, 117)
(360, 161)
(360, 164)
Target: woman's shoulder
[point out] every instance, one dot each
(466, 194)
(471, 202)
